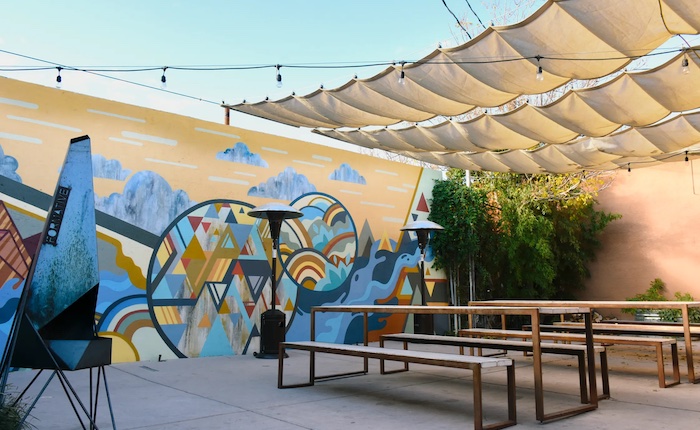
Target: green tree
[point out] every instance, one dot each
(529, 236)
(460, 210)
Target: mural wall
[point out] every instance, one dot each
(184, 271)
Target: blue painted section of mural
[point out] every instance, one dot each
(241, 154)
(10, 293)
(346, 173)
(285, 186)
(8, 166)
(147, 201)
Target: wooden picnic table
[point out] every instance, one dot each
(616, 304)
(531, 311)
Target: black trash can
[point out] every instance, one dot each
(423, 324)
(272, 332)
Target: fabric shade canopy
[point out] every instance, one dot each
(613, 124)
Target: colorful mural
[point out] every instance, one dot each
(184, 271)
(14, 269)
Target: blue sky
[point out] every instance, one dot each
(217, 32)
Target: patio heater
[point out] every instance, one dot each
(273, 321)
(422, 323)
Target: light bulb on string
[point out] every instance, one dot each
(686, 156)
(279, 76)
(629, 169)
(59, 79)
(402, 75)
(163, 81)
(539, 76)
(684, 66)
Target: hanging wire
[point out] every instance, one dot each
(457, 19)
(114, 78)
(330, 65)
(101, 70)
(474, 12)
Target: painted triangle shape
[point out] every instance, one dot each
(241, 232)
(422, 204)
(205, 322)
(406, 289)
(224, 308)
(231, 218)
(217, 290)
(173, 332)
(194, 251)
(237, 270)
(217, 342)
(162, 290)
(430, 286)
(385, 243)
(194, 221)
(250, 308)
(212, 212)
(175, 283)
(227, 243)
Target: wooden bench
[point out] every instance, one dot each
(649, 323)
(475, 364)
(657, 342)
(509, 345)
(629, 328)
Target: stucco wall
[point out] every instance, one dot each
(657, 237)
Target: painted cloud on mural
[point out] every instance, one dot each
(148, 202)
(110, 169)
(241, 154)
(346, 173)
(288, 185)
(8, 166)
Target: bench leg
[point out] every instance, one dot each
(478, 401)
(604, 375)
(478, 407)
(661, 368)
(583, 385)
(674, 361)
(382, 369)
(280, 371)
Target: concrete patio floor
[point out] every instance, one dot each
(240, 392)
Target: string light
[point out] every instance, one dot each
(402, 75)
(279, 76)
(539, 76)
(686, 156)
(163, 81)
(629, 169)
(59, 79)
(684, 66)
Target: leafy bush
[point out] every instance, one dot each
(655, 293)
(11, 413)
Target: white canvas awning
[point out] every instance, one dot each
(571, 40)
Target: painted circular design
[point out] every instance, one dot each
(319, 249)
(209, 280)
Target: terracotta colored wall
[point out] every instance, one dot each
(657, 236)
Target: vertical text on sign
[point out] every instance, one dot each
(56, 216)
